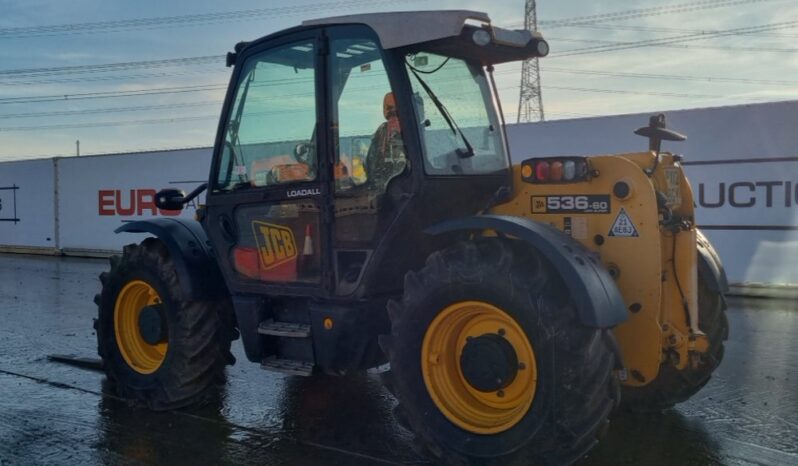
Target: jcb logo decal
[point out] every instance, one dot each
(276, 244)
(538, 205)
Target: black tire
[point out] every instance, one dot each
(673, 386)
(576, 388)
(198, 333)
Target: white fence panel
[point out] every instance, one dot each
(27, 207)
(96, 194)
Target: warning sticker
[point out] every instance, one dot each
(575, 227)
(673, 177)
(623, 226)
(579, 228)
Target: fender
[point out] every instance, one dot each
(598, 301)
(710, 267)
(189, 248)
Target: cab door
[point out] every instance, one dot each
(266, 203)
(372, 176)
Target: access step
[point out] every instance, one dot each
(287, 366)
(284, 329)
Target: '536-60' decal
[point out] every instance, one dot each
(571, 204)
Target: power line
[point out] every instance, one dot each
(677, 39)
(110, 67)
(734, 48)
(117, 78)
(642, 12)
(673, 77)
(628, 92)
(623, 27)
(101, 124)
(184, 20)
(219, 59)
(206, 117)
(107, 152)
(111, 94)
(109, 110)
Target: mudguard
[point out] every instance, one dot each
(599, 302)
(190, 250)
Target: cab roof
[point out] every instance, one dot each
(398, 29)
(433, 28)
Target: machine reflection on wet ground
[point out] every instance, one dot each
(52, 413)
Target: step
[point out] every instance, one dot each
(284, 329)
(287, 366)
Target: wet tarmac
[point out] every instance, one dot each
(57, 414)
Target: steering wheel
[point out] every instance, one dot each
(303, 152)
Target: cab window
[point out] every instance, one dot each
(369, 149)
(269, 134)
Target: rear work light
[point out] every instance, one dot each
(555, 170)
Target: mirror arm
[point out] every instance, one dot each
(193, 194)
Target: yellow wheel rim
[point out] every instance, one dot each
(141, 356)
(471, 409)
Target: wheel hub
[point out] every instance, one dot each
(140, 327)
(489, 362)
(152, 324)
(479, 367)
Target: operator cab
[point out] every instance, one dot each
(332, 130)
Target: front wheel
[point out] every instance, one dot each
(488, 356)
(158, 347)
(672, 385)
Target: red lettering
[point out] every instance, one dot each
(145, 199)
(131, 206)
(106, 201)
(140, 201)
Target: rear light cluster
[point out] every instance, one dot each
(555, 170)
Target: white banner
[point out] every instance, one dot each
(27, 217)
(96, 194)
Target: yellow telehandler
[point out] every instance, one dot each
(361, 209)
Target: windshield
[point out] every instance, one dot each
(460, 133)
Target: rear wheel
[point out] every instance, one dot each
(487, 356)
(157, 347)
(672, 385)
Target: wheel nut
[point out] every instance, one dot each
(500, 393)
(501, 332)
(521, 366)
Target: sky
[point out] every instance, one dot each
(46, 106)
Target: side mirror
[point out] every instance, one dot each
(170, 199)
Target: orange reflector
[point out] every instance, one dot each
(328, 323)
(555, 173)
(526, 171)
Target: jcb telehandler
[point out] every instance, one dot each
(361, 209)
